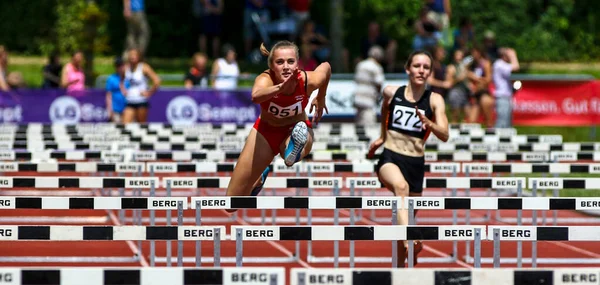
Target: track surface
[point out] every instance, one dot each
(282, 249)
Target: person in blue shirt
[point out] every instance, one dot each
(116, 89)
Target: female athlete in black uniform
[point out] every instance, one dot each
(409, 114)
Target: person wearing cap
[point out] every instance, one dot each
(116, 89)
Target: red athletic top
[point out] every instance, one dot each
(282, 106)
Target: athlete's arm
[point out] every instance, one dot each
(388, 93)
(264, 89)
(319, 79)
(440, 127)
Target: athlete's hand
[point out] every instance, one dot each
(319, 103)
(289, 84)
(373, 147)
(426, 122)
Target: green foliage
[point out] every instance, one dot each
(80, 25)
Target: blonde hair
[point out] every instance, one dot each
(279, 45)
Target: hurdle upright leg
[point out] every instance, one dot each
(168, 224)
(198, 242)
(519, 223)
(152, 223)
(352, 224)
(179, 242)
(411, 221)
(336, 243)
(534, 223)
(395, 223)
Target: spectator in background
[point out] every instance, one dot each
(489, 43)
(3, 69)
(427, 32)
(300, 11)
(459, 93)
(481, 77)
(225, 71)
(306, 61)
(439, 81)
(439, 12)
(369, 78)
(138, 94)
(376, 38)
(51, 72)
(138, 30)
(212, 15)
(318, 44)
(464, 35)
(116, 89)
(260, 8)
(72, 77)
(196, 75)
(502, 70)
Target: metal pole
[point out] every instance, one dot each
(395, 243)
(496, 248)
(168, 224)
(198, 242)
(302, 278)
(352, 224)
(217, 255)
(238, 247)
(179, 242)
(534, 223)
(477, 248)
(519, 222)
(152, 223)
(411, 220)
(336, 243)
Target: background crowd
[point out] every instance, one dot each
(471, 74)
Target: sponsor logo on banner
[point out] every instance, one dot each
(367, 182)
(576, 276)
(182, 182)
(594, 168)
(534, 156)
(199, 233)
(212, 203)
(255, 276)
(133, 182)
(428, 203)
(324, 182)
(546, 183)
(8, 232)
(564, 156)
(65, 110)
(430, 156)
(182, 110)
(7, 203)
(521, 233)
(166, 203)
(479, 168)
(587, 203)
(8, 166)
(507, 182)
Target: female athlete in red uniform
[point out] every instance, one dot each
(283, 127)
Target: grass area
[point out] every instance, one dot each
(569, 134)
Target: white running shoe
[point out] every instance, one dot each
(296, 145)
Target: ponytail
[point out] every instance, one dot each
(263, 50)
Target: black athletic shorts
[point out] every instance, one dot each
(138, 105)
(412, 168)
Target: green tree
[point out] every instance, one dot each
(80, 26)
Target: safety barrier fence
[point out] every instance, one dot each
(218, 155)
(297, 276)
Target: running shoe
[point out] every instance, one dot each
(296, 144)
(263, 176)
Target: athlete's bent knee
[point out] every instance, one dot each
(401, 189)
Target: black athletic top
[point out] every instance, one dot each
(402, 117)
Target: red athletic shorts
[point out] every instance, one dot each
(275, 135)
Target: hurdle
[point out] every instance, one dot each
(355, 233)
(540, 233)
(431, 276)
(142, 275)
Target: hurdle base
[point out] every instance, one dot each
(367, 259)
(225, 259)
(528, 260)
(69, 259)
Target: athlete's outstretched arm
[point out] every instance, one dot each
(264, 89)
(440, 127)
(319, 79)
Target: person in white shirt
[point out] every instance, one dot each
(502, 69)
(139, 92)
(225, 72)
(369, 78)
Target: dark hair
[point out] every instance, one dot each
(414, 53)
